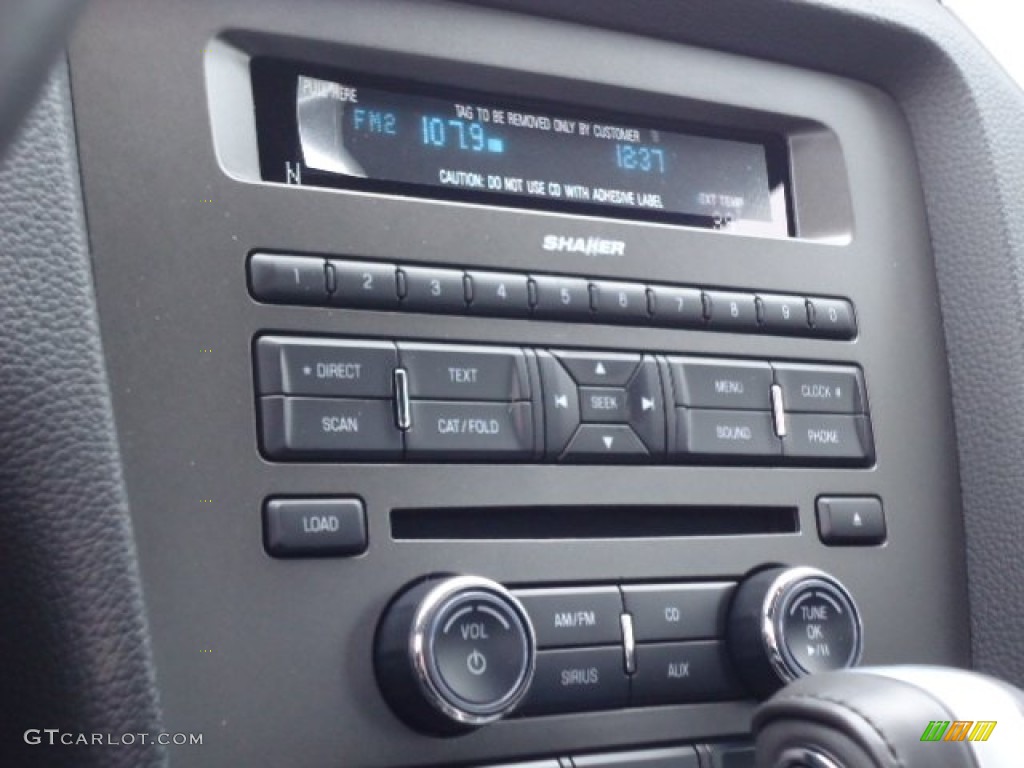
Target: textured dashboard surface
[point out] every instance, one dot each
(74, 651)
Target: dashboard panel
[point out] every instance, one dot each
(218, 286)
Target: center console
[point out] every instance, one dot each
(543, 395)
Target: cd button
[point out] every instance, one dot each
(325, 367)
(729, 311)
(308, 427)
(721, 384)
(599, 370)
(499, 294)
(568, 617)
(364, 285)
(677, 307)
(619, 301)
(605, 443)
(448, 431)
(678, 611)
(725, 433)
(451, 372)
(433, 290)
(578, 680)
(605, 405)
(561, 298)
(678, 673)
(288, 279)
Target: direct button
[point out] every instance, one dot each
(449, 431)
(479, 649)
(731, 384)
(314, 527)
(820, 388)
(677, 673)
(578, 680)
(325, 367)
(569, 617)
(308, 428)
(678, 611)
(450, 372)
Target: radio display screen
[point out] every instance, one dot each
(354, 133)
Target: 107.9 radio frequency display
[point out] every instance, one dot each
(481, 149)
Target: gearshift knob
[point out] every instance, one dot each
(892, 717)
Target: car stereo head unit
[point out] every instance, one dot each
(373, 134)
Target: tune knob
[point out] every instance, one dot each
(454, 653)
(786, 623)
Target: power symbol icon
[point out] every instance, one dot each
(476, 662)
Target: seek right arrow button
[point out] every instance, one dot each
(645, 406)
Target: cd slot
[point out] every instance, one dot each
(544, 523)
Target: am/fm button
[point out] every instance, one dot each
(574, 616)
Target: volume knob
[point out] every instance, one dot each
(454, 653)
(786, 623)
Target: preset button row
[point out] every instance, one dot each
(310, 280)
